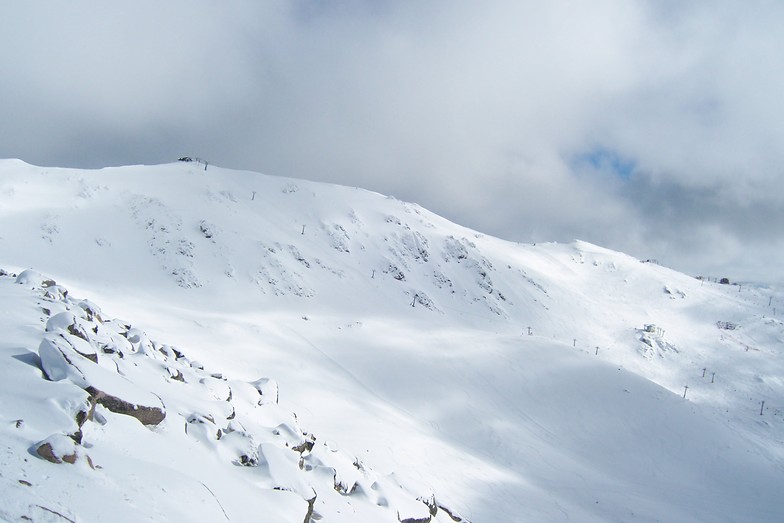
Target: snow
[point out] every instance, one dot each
(309, 339)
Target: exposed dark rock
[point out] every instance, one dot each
(86, 351)
(268, 389)
(176, 375)
(198, 418)
(71, 329)
(55, 292)
(305, 446)
(51, 512)
(147, 415)
(206, 229)
(85, 414)
(34, 278)
(431, 504)
(47, 452)
(91, 310)
(427, 519)
(75, 330)
(109, 385)
(249, 461)
(341, 487)
(311, 505)
(453, 515)
(52, 356)
(395, 272)
(110, 349)
(81, 416)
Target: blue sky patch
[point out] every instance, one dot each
(607, 160)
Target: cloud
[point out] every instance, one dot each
(481, 112)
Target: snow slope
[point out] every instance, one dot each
(504, 382)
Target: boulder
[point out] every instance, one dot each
(34, 279)
(75, 331)
(57, 360)
(91, 310)
(139, 341)
(61, 362)
(268, 390)
(239, 447)
(148, 415)
(57, 448)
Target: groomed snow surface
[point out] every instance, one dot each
(182, 344)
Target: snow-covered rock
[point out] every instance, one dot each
(236, 423)
(463, 376)
(59, 448)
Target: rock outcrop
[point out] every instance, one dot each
(115, 369)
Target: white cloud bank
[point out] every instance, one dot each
(483, 112)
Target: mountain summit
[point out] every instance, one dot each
(298, 351)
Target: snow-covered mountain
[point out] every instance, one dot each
(296, 351)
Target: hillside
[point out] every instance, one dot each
(421, 364)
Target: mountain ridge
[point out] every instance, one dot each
(431, 350)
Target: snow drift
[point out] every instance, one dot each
(332, 354)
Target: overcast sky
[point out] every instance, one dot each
(651, 127)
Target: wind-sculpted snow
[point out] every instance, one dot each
(498, 380)
(110, 388)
